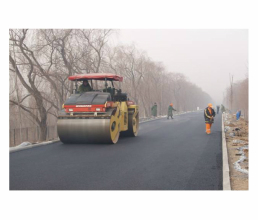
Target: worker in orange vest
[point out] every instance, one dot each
(209, 115)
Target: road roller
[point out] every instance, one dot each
(99, 115)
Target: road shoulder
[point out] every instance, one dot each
(226, 178)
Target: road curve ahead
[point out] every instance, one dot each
(167, 155)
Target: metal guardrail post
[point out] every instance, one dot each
(14, 137)
(27, 135)
(37, 133)
(47, 133)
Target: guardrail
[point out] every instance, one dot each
(30, 134)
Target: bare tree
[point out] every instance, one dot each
(42, 60)
(231, 91)
(30, 67)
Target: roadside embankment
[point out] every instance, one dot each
(236, 137)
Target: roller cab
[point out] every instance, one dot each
(97, 116)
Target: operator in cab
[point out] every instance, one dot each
(84, 87)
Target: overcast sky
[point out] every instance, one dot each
(205, 57)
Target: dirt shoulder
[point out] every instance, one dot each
(236, 133)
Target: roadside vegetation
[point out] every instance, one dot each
(236, 97)
(237, 133)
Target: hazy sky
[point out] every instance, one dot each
(205, 57)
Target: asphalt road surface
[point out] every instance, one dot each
(167, 155)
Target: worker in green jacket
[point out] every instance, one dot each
(154, 109)
(170, 111)
(222, 108)
(84, 87)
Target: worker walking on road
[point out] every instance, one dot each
(209, 115)
(170, 111)
(154, 109)
(217, 109)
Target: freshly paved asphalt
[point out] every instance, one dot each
(167, 155)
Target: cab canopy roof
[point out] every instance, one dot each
(96, 76)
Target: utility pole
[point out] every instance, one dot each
(231, 91)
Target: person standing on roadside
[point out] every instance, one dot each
(238, 114)
(154, 110)
(209, 115)
(170, 111)
(222, 108)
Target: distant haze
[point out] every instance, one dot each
(205, 57)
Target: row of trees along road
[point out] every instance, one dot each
(42, 60)
(236, 97)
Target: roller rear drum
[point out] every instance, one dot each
(133, 125)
